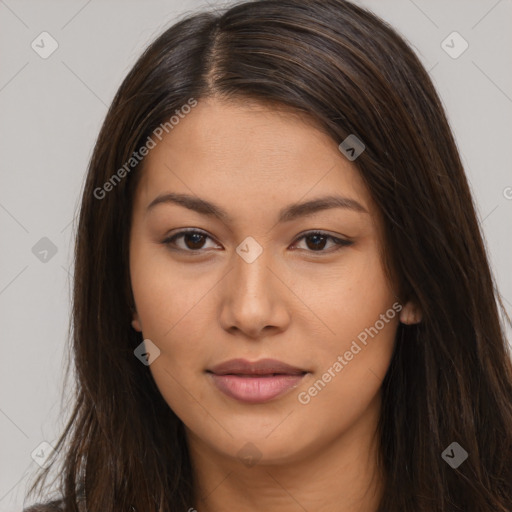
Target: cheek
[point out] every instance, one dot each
(178, 372)
(351, 298)
(352, 361)
(349, 377)
(169, 301)
(167, 295)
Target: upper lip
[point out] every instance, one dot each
(261, 367)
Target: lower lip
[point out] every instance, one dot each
(257, 389)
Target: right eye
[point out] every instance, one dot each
(193, 240)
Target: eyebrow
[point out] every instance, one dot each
(287, 214)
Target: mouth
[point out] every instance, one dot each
(255, 382)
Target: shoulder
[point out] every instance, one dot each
(52, 506)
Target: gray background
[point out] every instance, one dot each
(51, 111)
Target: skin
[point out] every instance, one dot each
(293, 303)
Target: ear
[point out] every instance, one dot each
(136, 324)
(410, 314)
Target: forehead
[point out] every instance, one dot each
(222, 149)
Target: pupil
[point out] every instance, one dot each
(197, 240)
(315, 245)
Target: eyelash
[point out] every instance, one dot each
(340, 243)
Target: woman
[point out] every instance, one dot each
(282, 299)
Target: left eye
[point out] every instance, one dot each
(318, 241)
(194, 241)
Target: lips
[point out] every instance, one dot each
(261, 367)
(255, 382)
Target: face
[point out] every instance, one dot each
(261, 277)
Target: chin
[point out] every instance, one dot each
(254, 445)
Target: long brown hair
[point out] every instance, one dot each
(450, 378)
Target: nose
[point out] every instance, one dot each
(255, 298)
